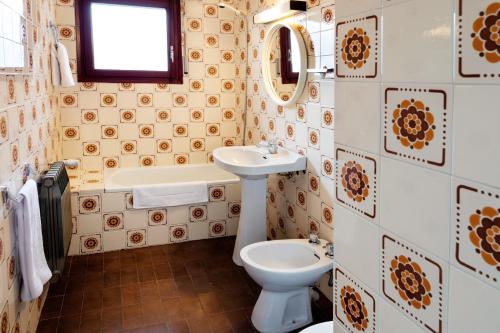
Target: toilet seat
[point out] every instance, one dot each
(326, 327)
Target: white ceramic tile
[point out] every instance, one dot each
(474, 231)
(348, 7)
(476, 137)
(357, 244)
(415, 282)
(355, 306)
(473, 305)
(416, 205)
(391, 320)
(357, 54)
(356, 176)
(416, 124)
(427, 26)
(357, 115)
(477, 53)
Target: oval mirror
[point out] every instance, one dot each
(284, 63)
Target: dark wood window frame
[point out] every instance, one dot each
(85, 67)
(287, 73)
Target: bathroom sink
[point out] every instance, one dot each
(255, 162)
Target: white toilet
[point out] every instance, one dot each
(285, 269)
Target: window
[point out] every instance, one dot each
(12, 34)
(129, 41)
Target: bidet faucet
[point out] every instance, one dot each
(329, 250)
(271, 145)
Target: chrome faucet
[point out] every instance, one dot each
(329, 250)
(271, 145)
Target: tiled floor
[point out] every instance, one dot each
(188, 287)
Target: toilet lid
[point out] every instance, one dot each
(326, 327)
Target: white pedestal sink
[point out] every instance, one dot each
(253, 164)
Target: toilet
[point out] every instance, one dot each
(285, 269)
(326, 327)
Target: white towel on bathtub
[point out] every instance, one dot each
(172, 194)
(34, 268)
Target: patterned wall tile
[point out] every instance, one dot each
(356, 181)
(354, 305)
(217, 228)
(476, 230)
(178, 233)
(216, 193)
(357, 48)
(112, 221)
(89, 204)
(157, 217)
(477, 41)
(90, 243)
(136, 238)
(417, 125)
(415, 283)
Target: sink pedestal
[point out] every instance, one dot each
(252, 227)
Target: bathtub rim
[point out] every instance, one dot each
(114, 188)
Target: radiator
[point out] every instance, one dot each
(55, 210)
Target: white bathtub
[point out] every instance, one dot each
(124, 179)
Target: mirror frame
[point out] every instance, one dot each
(266, 66)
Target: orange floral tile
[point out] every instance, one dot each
(476, 230)
(357, 48)
(354, 305)
(415, 283)
(416, 125)
(356, 181)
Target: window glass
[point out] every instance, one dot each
(129, 37)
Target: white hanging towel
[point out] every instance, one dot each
(54, 65)
(173, 194)
(34, 269)
(64, 67)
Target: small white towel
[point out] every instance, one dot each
(54, 66)
(34, 268)
(65, 75)
(165, 195)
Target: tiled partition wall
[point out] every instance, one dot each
(302, 204)
(29, 122)
(106, 221)
(109, 125)
(417, 197)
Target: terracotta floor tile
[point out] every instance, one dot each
(180, 326)
(72, 304)
(111, 297)
(132, 316)
(190, 287)
(131, 294)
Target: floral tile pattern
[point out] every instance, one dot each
(89, 204)
(476, 231)
(357, 48)
(217, 228)
(157, 217)
(111, 221)
(354, 305)
(416, 125)
(356, 177)
(477, 40)
(178, 233)
(90, 243)
(414, 282)
(136, 238)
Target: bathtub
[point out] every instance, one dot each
(124, 179)
(104, 218)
